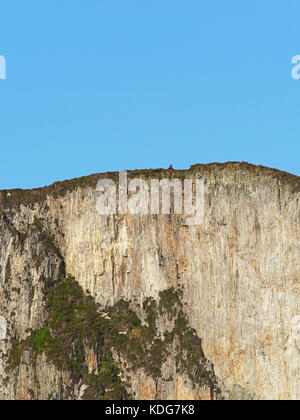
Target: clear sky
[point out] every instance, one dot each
(100, 85)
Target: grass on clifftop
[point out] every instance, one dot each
(58, 189)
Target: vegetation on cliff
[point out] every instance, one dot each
(75, 323)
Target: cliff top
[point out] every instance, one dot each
(60, 188)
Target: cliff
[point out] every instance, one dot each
(144, 306)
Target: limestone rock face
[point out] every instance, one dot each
(239, 271)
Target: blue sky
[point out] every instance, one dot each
(103, 85)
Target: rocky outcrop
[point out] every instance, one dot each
(235, 278)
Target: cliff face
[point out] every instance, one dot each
(208, 311)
